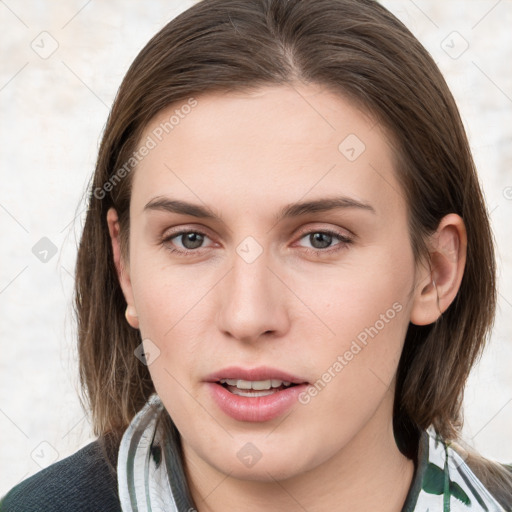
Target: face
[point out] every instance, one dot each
(269, 249)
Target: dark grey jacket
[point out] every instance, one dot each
(83, 482)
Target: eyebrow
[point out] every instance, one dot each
(291, 210)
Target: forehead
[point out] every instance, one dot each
(266, 147)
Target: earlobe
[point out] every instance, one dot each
(437, 286)
(121, 268)
(131, 317)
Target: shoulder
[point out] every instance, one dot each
(82, 482)
(482, 475)
(496, 476)
(447, 473)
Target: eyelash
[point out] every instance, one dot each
(344, 242)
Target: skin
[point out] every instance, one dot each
(246, 156)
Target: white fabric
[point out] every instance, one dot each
(143, 485)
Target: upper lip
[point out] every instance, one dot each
(254, 374)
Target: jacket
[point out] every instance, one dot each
(82, 482)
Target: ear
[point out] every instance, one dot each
(122, 268)
(437, 286)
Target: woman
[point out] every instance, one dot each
(280, 280)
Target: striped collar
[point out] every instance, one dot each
(442, 480)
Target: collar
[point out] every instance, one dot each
(442, 480)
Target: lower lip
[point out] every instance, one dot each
(255, 409)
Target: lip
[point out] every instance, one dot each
(259, 373)
(254, 409)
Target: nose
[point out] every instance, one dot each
(253, 301)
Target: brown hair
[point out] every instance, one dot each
(360, 50)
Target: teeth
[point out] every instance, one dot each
(258, 385)
(253, 394)
(243, 384)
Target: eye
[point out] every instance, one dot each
(187, 242)
(322, 241)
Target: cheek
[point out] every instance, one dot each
(364, 293)
(171, 304)
(164, 294)
(367, 314)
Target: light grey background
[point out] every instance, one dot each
(53, 109)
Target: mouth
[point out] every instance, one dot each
(255, 388)
(254, 395)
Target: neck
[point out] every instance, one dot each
(368, 473)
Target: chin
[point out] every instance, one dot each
(275, 467)
(256, 458)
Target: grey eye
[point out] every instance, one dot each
(191, 239)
